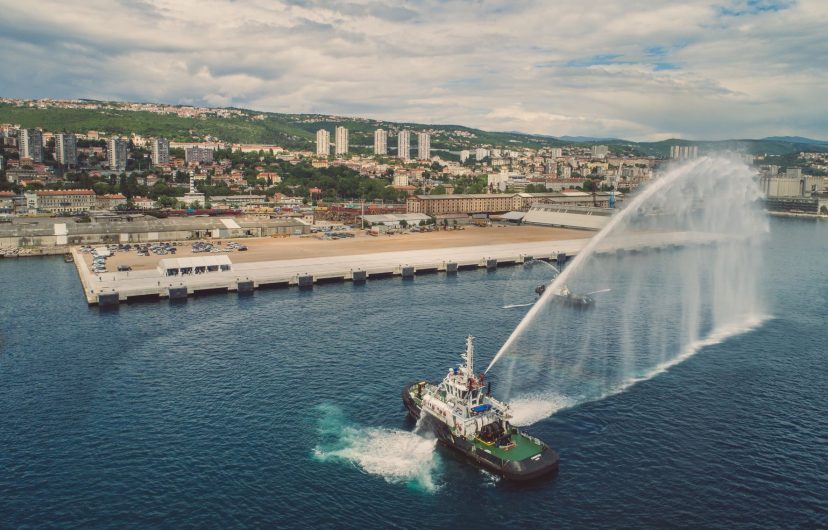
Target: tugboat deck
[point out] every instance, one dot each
(524, 448)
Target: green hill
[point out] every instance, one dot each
(298, 131)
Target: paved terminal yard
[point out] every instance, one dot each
(315, 246)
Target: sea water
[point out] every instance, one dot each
(283, 409)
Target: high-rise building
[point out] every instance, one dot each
(480, 153)
(200, 155)
(600, 151)
(464, 155)
(404, 145)
(423, 146)
(555, 152)
(323, 142)
(30, 144)
(66, 149)
(684, 152)
(117, 154)
(341, 144)
(380, 142)
(160, 151)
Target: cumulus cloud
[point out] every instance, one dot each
(636, 69)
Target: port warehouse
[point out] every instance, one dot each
(47, 232)
(503, 202)
(584, 217)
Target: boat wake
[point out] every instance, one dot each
(399, 457)
(532, 408)
(512, 306)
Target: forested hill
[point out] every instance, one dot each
(298, 131)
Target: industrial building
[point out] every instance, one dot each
(585, 217)
(49, 232)
(502, 202)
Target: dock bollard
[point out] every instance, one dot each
(178, 294)
(108, 300)
(305, 281)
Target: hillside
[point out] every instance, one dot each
(297, 131)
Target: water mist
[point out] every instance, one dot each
(665, 303)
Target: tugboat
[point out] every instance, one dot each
(465, 417)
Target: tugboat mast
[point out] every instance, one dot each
(470, 356)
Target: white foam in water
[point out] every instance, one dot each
(661, 305)
(527, 410)
(397, 456)
(512, 306)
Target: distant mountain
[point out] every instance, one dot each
(591, 139)
(796, 140)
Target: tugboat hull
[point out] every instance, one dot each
(543, 464)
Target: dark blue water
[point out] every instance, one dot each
(211, 414)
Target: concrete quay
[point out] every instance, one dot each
(111, 288)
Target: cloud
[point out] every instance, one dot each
(637, 69)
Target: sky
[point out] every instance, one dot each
(634, 69)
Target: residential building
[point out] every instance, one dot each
(66, 149)
(464, 155)
(404, 145)
(6, 202)
(323, 142)
(198, 155)
(30, 144)
(400, 179)
(143, 203)
(341, 145)
(600, 151)
(480, 153)
(423, 146)
(555, 152)
(684, 152)
(64, 201)
(110, 201)
(160, 151)
(117, 154)
(380, 142)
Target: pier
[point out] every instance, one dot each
(112, 288)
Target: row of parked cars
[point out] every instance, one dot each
(159, 249)
(202, 246)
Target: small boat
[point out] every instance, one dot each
(466, 418)
(567, 297)
(68, 258)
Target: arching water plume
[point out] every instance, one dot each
(699, 285)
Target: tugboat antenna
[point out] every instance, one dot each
(470, 356)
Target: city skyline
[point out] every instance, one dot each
(679, 70)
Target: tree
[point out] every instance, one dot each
(165, 201)
(404, 223)
(438, 190)
(823, 210)
(101, 188)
